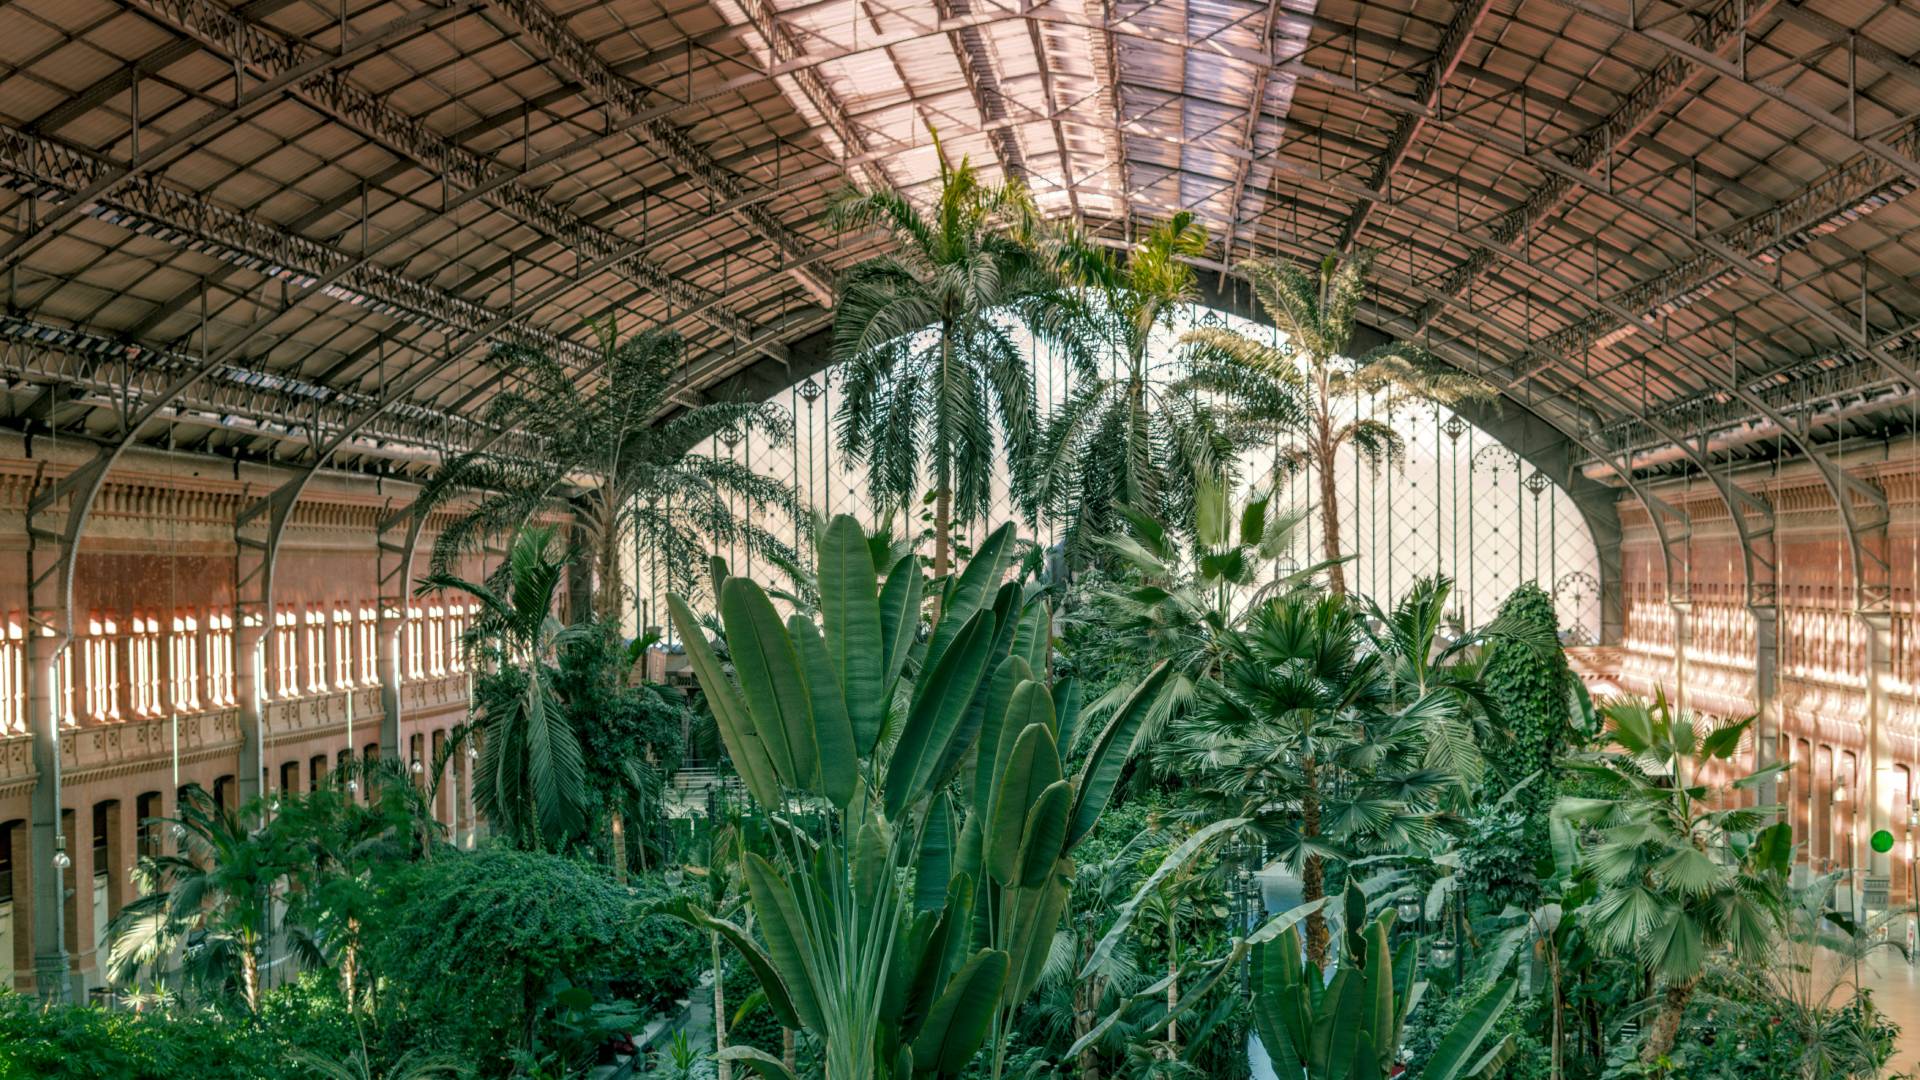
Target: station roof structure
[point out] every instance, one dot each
(294, 227)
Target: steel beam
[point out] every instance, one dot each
(1724, 24)
(1459, 34)
(625, 99)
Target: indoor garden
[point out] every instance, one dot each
(1068, 705)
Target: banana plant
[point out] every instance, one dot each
(915, 787)
(1348, 1027)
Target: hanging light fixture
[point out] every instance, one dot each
(1407, 908)
(61, 860)
(1841, 796)
(416, 768)
(1441, 955)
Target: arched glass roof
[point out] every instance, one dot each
(290, 227)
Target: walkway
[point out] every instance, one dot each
(1896, 991)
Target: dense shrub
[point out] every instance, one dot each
(84, 1043)
(473, 949)
(1531, 692)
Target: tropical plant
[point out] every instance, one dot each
(1438, 679)
(1677, 872)
(1123, 437)
(1531, 689)
(210, 897)
(628, 476)
(499, 955)
(1348, 1026)
(1315, 315)
(1185, 597)
(927, 334)
(876, 754)
(1301, 735)
(1810, 974)
(531, 779)
(339, 848)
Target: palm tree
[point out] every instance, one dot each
(1121, 438)
(1184, 597)
(1437, 677)
(927, 336)
(1677, 873)
(629, 475)
(339, 848)
(1316, 318)
(1301, 735)
(212, 894)
(531, 779)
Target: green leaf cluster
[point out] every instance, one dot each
(1348, 1027)
(923, 815)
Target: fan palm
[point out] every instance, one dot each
(1122, 438)
(629, 476)
(1315, 315)
(1301, 734)
(1437, 676)
(212, 894)
(1187, 596)
(531, 778)
(927, 334)
(1677, 872)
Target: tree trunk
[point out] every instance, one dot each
(942, 468)
(1173, 987)
(618, 843)
(1313, 879)
(1086, 1001)
(724, 1069)
(608, 584)
(250, 978)
(1330, 523)
(1666, 1026)
(789, 1052)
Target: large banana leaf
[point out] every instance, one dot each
(850, 617)
(1109, 754)
(839, 766)
(776, 694)
(959, 1020)
(744, 745)
(1033, 767)
(941, 700)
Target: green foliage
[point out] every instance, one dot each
(1530, 689)
(631, 736)
(626, 474)
(1440, 1013)
(1348, 1027)
(82, 1043)
(475, 950)
(531, 779)
(1309, 366)
(914, 905)
(1125, 438)
(933, 368)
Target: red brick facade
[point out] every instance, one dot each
(147, 682)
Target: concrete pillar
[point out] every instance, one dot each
(250, 636)
(47, 905)
(391, 621)
(1875, 778)
(1766, 668)
(1682, 642)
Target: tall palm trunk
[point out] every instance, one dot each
(608, 581)
(1666, 1026)
(250, 977)
(1324, 459)
(1313, 879)
(942, 466)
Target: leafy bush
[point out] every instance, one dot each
(476, 949)
(84, 1043)
(1531, 694)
